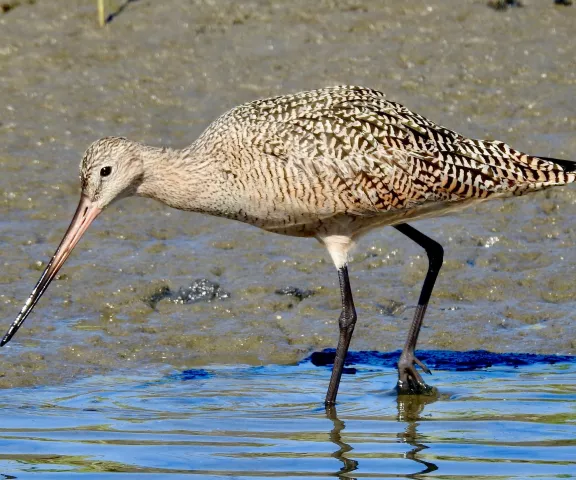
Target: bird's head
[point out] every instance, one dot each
(112, 168)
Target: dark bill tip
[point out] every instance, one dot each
(85, 214)
(9, 334)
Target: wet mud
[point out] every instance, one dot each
(160, 72)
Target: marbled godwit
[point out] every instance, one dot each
(332, 164)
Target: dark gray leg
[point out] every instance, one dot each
(409, 380)
(346, 323)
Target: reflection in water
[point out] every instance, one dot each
(409, 409)
(348, 464)
(246, 422)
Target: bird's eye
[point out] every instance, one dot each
(105, 171)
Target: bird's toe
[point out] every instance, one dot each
(410, 382)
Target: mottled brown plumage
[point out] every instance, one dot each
(330, 163)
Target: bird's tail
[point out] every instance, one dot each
(560, 173)
(567, 165)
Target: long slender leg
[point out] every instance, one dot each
(409, 380)
(346, 323)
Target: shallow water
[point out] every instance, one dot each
(263, 422)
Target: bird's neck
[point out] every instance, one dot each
(174, 177)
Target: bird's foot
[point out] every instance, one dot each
(409, 380)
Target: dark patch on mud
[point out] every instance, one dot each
(5, 7)
(201, 290)
(442, 359)
(502, 5)
(295, 292)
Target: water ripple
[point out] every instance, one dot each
(259, 422)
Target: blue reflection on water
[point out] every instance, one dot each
(505, 415)
(442, 359)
